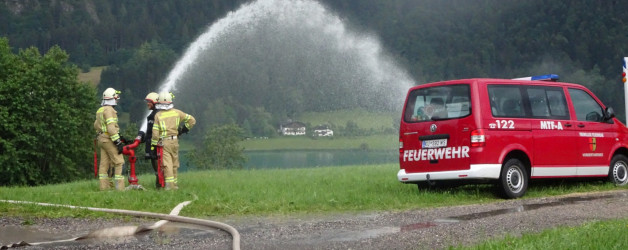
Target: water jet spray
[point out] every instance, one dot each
(298, 48)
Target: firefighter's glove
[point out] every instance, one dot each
(120, 145)
(141, 135)
(183, 130)
(124, 141)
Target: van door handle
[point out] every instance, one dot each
(581, 125)
(568, 125)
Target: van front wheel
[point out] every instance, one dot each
(513, 179)
(618, 172)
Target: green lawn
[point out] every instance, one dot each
(270, 191)
(92, 77)
(277, 192)
(594, 235)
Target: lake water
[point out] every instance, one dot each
(317, 158)
(311, 158)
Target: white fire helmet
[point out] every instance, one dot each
(110, 93)
(165, 98)
(152, 97)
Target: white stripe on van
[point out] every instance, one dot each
(569, 171)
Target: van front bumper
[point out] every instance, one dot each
(476, 171)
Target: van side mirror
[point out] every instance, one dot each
(609, 113)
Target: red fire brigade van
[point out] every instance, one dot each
(509, 131)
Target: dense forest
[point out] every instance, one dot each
(262, 72)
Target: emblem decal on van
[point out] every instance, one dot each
(433, 128)
(592, 144)
(436, 154)
(551, 125)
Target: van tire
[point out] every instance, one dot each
(618, 171)
(513, 180)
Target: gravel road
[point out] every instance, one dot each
(416, 229)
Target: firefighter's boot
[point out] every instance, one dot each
(170, 186)
(119, 182)
(104, 184)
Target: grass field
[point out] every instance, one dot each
(92, 77)
(278, 192)
(270, 192)
(594, 235)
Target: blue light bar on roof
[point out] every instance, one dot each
(548, 77)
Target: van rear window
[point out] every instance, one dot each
(438, 103)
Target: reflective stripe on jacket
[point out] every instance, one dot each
(167, 123)
(107, 122)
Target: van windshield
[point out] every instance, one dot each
(438, 103)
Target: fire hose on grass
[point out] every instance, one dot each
(170, 217)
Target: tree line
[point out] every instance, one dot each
(433, 39)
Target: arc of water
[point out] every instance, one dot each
(204, 41)
(247, 17)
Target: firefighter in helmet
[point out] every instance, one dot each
(109, 140)
(151, 102)
(169, 124)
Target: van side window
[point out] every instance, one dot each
(538, 102)
(506, 101)
(587, 109)
(557, 103)
(438, 103)
(547, 102)
(528, 101)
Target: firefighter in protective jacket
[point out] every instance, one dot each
(151, 102)
(169, 124)
(109, 141)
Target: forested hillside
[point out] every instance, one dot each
(140, 41)
(96, 32)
